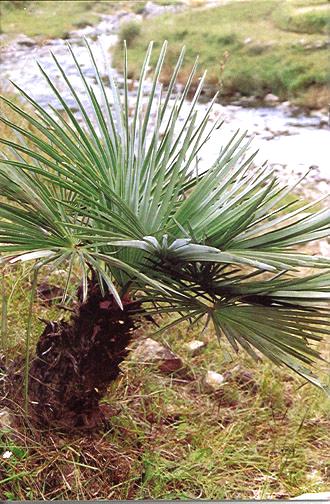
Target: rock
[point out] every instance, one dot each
(85, 31)
(321, 496)
(242, 377)
(285, 106)
(323, 187)
(195, 347)
(129, 17)
(213, 381)
(23, 40)
(271, 98)
(268, 135)
(151, 9)
(7, 454)
(319, 44)
(49, 293)
(247, 100)
(150, 351)
(6, 420)
(179, 87)
(60, 273)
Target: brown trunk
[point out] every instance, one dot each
(76, 361)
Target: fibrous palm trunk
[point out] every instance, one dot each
(75, 362)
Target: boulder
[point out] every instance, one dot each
(150, 351)
(286, 106)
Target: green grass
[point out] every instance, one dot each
(262, 53)
(54, 18)
(304, 18)
(47, 19)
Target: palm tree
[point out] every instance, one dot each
(115, 194)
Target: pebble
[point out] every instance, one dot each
(271, 98)
(195, 347)
(213, 381)
(6, 421)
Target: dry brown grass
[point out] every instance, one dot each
(316, 97)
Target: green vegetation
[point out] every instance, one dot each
(308, 19)
(263, 438)
(54, 18)
(46, 19)
(129, 32)
(257, 41)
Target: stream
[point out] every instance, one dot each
(291, 142)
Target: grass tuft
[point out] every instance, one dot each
(129, 32)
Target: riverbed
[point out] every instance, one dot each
(291, 141)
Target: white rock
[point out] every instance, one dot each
(129, 17)
(322, 496)
(213, 381)
(60, 272)
(323, 187)
(285, 106)
(195, 347)
(152, 9)
(7, 454)
(271, 98)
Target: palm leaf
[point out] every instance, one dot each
(112, 188)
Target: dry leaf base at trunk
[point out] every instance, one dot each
(77, 360)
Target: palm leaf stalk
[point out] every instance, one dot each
(115, 194)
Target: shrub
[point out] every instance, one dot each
(129, 31)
